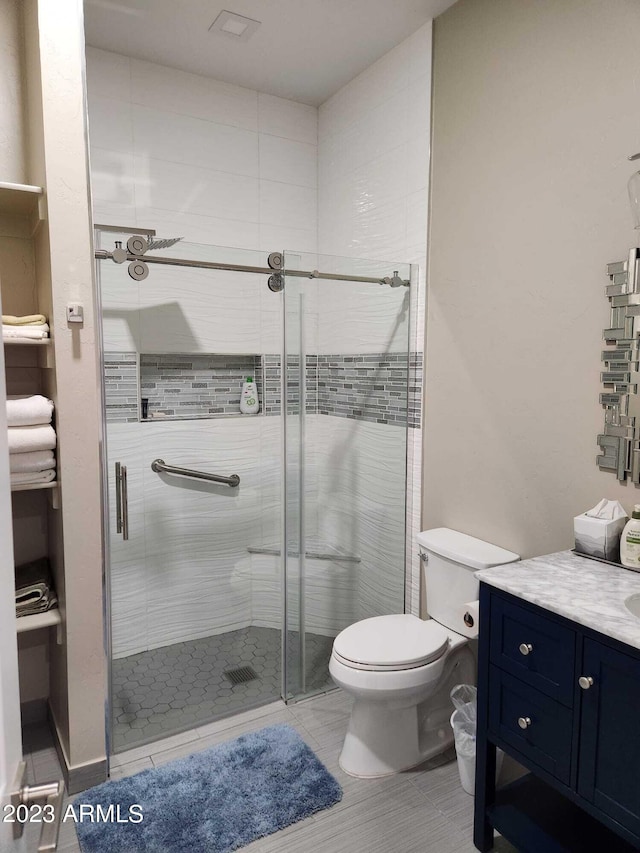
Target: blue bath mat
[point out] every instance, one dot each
(211, 802)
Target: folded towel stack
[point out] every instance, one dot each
(31, 327)
(31, 440)
(34, 588)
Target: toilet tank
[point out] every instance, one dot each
(450, 560)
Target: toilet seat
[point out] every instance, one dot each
(396, 642)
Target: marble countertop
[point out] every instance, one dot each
(583, 590)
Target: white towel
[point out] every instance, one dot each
(35, 333)
(28, 410)
(31, 463)
(26, 439)
(24, 320)
(34, 477)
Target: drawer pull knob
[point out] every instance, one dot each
(525, 648)
(585, 681)
(524, 722)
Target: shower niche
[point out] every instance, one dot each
(196, 385)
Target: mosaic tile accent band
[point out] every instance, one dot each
(121, 386)
(370, 387)
(364, 387)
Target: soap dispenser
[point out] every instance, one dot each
(630, 541)
(249, 403)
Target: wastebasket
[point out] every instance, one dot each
(464, 723)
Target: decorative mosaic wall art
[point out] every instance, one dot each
(620, 442)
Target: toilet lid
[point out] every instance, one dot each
(391, 642)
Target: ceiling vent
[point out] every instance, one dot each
(236, 26)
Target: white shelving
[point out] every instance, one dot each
(49, 619)
(19, 199)
(33, 487)
(22, 210)
(26, 342)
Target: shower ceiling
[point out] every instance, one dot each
(304, 50)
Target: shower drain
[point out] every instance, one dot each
(240, 675)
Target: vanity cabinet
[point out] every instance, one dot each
(563, 701)
(609, 758)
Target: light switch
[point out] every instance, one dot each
(75, 313)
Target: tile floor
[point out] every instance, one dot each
(173, 688)
(423, 811)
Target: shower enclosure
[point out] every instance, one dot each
(239, 545)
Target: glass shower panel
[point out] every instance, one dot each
(196, 585)
(347, 356)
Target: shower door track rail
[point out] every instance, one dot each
(393, 281)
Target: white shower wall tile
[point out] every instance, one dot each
(360, 498)
(193, 165)
(375, 85)
(129, 586)
(105, 213)
(195, 142)
(185, 571)
(289, 119)
(362, 318)
(266, 591)
(330, 594)
(111, 125)
(365, 139)
(275, 238)
(198, 228)
(120, 310)
(197, 533)
(176, 312)
(418, 47)
(179, 186)
(380, 210)
(287, 205)
(174, 91)
(288, 161)
(419, 125)
(108, 74)
(112, 177)
(266, 527)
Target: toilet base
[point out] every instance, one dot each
(383, 740)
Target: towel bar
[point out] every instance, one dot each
(158, 465)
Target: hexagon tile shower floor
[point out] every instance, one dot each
(179, 687)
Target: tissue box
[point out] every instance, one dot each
(599, 537)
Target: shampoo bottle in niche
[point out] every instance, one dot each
(249, 403)
(630, 541)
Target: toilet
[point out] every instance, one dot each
(400, 669)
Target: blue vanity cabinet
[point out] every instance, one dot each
(609, 760)
(564, 701)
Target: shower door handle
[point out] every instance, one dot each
(122, 501)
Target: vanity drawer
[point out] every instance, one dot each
(532, 723)
(534, 648)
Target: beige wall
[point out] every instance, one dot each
(535, 112)
(12, 134)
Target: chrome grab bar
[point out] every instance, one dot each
(158, 465)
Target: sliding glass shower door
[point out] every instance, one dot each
(195, 574)
(346, 333)
(239, 545)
